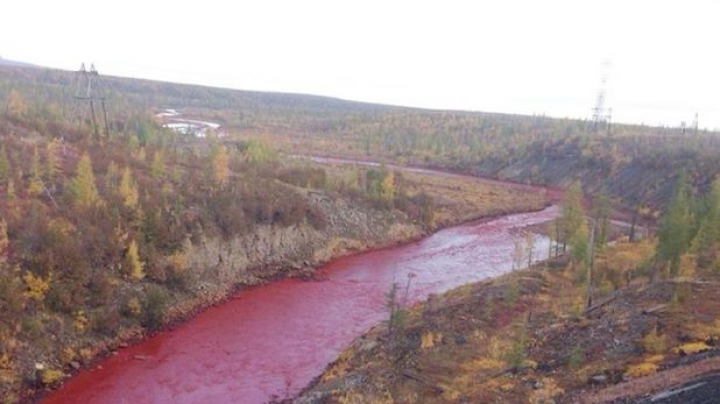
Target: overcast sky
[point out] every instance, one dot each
(533, 57)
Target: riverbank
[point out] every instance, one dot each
(224, 273)
(528, 337)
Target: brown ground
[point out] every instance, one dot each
(457, 199)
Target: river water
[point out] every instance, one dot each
(271, 341)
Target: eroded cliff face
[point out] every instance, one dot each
(271, 251)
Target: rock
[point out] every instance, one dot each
(123, 345)
(140, 357)
(598, 379)
(367, 345)
(75, 365)
(535, 384)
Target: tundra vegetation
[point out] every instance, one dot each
(534, 336)
(97, 229)
(95, 226)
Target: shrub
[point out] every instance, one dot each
(516, 356)
(654, 343)
(154, 306)
(577, 357)
(105, 321)
(50, 376)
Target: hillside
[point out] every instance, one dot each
(108, 236)
(636, 164)
(7, 62)
(105, 239)
(600, 322)
(527, 338)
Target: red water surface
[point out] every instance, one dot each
(271, 341)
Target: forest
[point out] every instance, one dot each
(94, 224)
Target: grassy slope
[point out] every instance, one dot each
(85, 336)
(525, 338)
(98, 313)
(637, 164)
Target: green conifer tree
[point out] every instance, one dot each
(676, 226)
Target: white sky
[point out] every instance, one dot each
(502, 56)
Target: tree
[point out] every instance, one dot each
(601, 213)
(573, 213)
(518, 256)
(135, 266)
(4, 242)
(387, 188)
(676, 225)
(398, 313)
(157, 167)
(257, 151)
(35, 187)
(4, 166)
(707, 239)
(11, 194)
(128, 190)
(113, 176)
(16, 106)
(529, 246)
(220, 166)
(37, 287)
(52, 162)
(579, 245)
(82, 188)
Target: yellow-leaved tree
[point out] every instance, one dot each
(53, 162)
(4, 242)
(387, 187)
(82, 188)
(16, 107)
(135, 266)
(37, 287)
(35, 186)
(220, 166)
(128, 190)
(157, 167)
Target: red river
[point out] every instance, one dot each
(271, 341)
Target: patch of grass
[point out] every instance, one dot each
(641, 370)
(691, 348)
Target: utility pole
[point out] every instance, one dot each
(601, 116)
(87, 93)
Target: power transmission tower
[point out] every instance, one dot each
(88, 96)
(602, 117)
